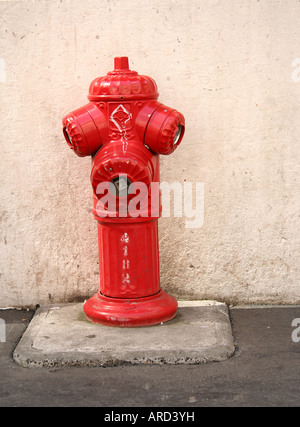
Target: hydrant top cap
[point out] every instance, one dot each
(121, 63)
(122, 84)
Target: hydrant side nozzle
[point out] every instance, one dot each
(81, 129)
(165, 130)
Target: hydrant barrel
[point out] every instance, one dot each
(129, 264)
(125, 129)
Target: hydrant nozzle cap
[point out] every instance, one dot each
(121, 63)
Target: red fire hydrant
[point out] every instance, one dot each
(124, 128)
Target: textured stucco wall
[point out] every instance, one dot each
(230, 67)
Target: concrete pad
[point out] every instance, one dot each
(60, 335)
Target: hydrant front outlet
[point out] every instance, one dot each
(124, 128)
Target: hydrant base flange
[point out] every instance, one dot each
(132, 312)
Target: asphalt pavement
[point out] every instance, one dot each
(263, 371)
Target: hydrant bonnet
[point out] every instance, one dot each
(122, 84)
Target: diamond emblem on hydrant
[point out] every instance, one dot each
(125, 172)
(120, 117)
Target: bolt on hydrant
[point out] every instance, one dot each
(124, 128)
